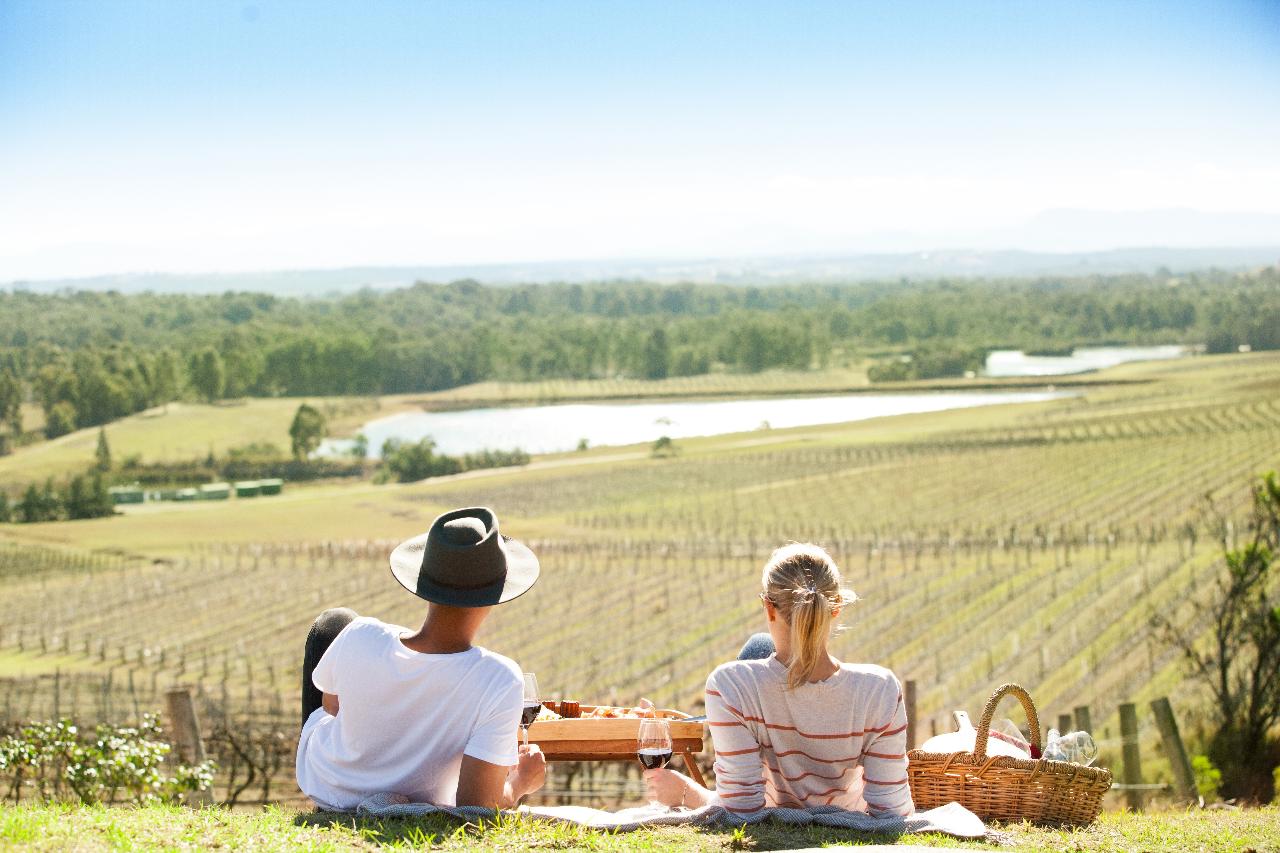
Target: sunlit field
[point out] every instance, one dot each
(1025, 543)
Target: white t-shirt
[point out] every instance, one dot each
(405, 718)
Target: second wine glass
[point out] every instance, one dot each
(532, 705)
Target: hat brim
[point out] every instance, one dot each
(522, 573)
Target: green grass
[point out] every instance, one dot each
(63, 827)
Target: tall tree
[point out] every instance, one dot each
(74, 498)
(306, 431)
(60, 419)
(656, 355)
(208, 376)
(103, 453)
(10, 402)
(30, 509)
(1239, 661)
(165, 377)
(99, 502)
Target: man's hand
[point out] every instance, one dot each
(528, 775)
(497, 787)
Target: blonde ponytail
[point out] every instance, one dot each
(803, 583)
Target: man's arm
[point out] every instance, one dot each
(329, 702)
(494, 786)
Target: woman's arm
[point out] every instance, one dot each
(739, 766)
(884, 760)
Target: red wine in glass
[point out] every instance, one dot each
(654, 758)
(653, 743)
(529, 714)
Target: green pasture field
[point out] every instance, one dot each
(73, 828)
(1027, 543)
(176, 432)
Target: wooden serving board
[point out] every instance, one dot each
(610, 739)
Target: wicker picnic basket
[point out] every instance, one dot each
(1004, 788)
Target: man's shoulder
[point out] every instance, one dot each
(373, 627)
(500, 666)
(367, 634)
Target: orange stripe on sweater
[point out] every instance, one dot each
(721, 780)
(787, 752)
(777, 771)
(834, 790)
(743, 811)
(781, 728)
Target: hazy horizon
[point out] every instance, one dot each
(178, 136)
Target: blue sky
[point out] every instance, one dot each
(245, 135)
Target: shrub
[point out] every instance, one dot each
(663, 447)
(1208, 777)
(113, 764)
(409, 462)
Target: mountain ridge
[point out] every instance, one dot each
(762, 270)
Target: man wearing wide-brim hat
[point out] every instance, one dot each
(425, 714)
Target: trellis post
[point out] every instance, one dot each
(184, 728)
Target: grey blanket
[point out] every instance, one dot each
(951, 819)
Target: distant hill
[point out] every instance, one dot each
(956, 263)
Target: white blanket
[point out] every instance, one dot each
(951, 819)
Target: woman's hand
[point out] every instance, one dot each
(674, 789)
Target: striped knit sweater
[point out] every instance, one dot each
(841, 741)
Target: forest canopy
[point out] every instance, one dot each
(90, 357)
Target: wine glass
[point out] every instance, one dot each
(653, 743)
(532, 705)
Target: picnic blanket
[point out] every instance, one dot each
(951, 819)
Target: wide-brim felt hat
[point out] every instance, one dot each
(464, 561)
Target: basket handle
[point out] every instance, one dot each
(984, 724)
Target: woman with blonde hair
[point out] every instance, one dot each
(793, 726)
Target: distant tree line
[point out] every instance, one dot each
(81, 496)
(89, 357)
